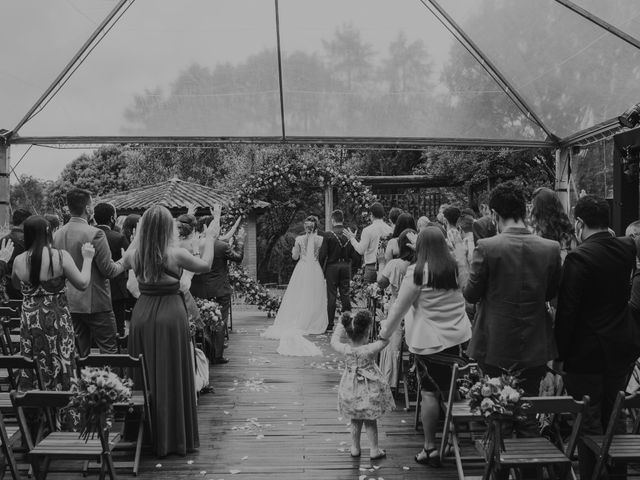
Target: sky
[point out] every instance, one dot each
(152, 43)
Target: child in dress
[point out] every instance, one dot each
(363, 394)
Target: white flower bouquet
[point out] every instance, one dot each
(94, 394)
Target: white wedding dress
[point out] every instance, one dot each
(303, 310)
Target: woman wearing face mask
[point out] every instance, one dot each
(303, 310)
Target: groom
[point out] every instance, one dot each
(335, 257)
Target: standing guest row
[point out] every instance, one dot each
(68, 280)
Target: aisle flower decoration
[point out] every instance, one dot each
(252, 291)
(497, 399)
(95, 392)
(210, 313)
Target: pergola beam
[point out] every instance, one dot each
(72, 63)
(450, 24)
(600, 22)
(399, 142)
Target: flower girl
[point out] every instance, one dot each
(363, 395)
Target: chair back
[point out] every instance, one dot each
(122, 364)
(14, 363)
(557, 405)
(45, 402)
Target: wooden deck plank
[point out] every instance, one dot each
(276, 417)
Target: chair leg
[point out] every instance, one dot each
(456, 452)
(418, 402)
(136, 460)
(405, 387)
(107, 466)
(45, 468)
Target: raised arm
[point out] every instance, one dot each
(359, 246)
(339, 339)
(232, 231)
(295, 251)
(476, 285)
(78, 278)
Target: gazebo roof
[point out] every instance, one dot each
(174, 193)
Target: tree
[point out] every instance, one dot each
(471, 172)
(29, 193)
(349, 56)
(100, 172)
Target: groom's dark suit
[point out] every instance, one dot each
(335, 257)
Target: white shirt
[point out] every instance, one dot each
(370, 239)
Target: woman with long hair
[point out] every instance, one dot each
(46, 330)
(404, 221)
(160, 330)
(549, 220)
(435, 329)
(391, 277)
(303, 310)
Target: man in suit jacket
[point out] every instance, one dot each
(594, 326)
(91, 310)
(105, 217)
(16, 235)
(512, 276)
(215, 285)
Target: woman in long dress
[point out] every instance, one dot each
(160, 328)
(46, 331)
(303, 310)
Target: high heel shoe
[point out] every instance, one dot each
(425, 458)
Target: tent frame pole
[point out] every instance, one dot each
(450, 24)
(72, 63)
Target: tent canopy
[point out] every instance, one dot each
(419, 72)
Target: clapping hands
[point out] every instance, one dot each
(6, 250)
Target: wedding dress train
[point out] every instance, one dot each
(303, 310)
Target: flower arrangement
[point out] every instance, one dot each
(253, 292)
(300, 171)
(374, 291)
(494, 397)
(95, 392)
(210, 313)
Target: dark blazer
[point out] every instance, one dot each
(215, 283)
(117, 242)
(511, 276)
(96, 298)
(336, 247)
(594, 324)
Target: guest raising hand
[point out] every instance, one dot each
(160, 329)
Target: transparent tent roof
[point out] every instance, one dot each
(415, 71)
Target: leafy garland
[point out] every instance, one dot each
(254, 292)
(304, 172)
(258, 185)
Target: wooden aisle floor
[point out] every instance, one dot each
(275, 417)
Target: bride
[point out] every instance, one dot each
(303, 310)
